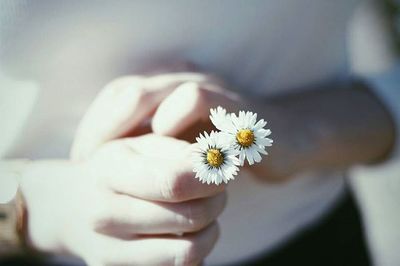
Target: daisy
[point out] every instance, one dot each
(214, 159)
(221, 119)
(247, 136)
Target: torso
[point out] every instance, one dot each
(72, 49)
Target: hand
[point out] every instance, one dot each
(167, 104)
(124, 206)
(177, 105)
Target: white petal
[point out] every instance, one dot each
(263, 132)
(257, 156)
(260, 124)
(249, 157)
(264, 141)
(242, 156)
(252, 120)
(235, 120)
(261, 150)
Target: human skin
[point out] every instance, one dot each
(327, 128)
(134, 202)
(316, 129)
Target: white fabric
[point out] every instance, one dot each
(72, 48)
(378, 186)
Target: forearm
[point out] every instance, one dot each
(328, 128)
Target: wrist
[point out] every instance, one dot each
(40, 186)
(296, 145)
(13, 211)
(13, 227)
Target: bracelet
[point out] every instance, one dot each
(13, 227)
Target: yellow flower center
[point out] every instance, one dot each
(245, 137)
(214, 157)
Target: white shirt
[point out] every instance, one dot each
(67, 51)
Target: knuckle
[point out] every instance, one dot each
(109, 147)
(101, 219)
(174, 188)
(104, 224)
(177, 189)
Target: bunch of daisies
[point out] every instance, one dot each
(218, 155)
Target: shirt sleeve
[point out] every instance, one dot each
(372, 58)
(377, 187)
(386, 87)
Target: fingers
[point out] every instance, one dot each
(126, 105)
(187, 105)
(190, 249)
(170, 180)
(167, 176)
(183, 107)
(121, 106)
(127, 216)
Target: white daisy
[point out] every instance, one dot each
(221, 119)
(214, 159)
(247, 136)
